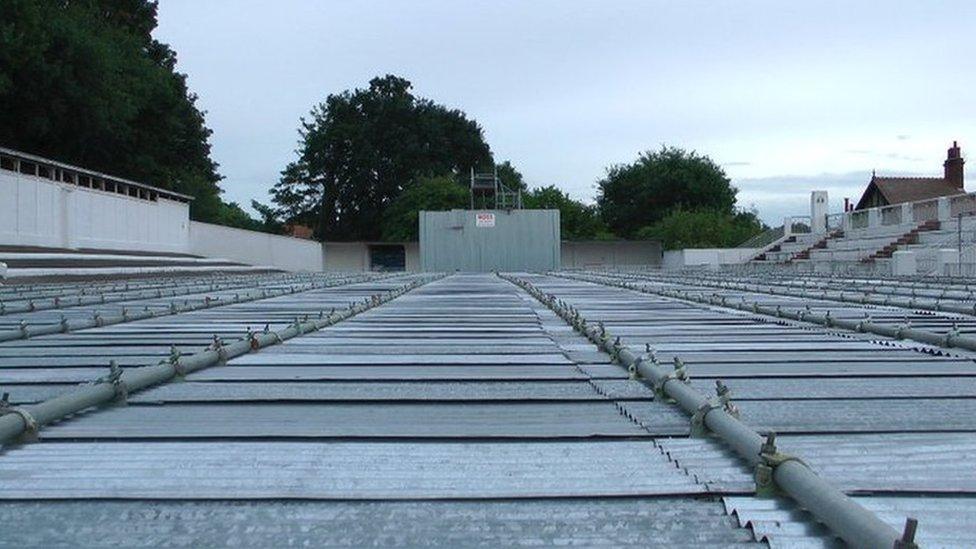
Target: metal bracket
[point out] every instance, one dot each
(907, 540)
(30, 424)
(722, 400)
(174, 360)
(679, 374)
(632, 370)
(615, 348)
(770, 459)
(953, 333)
(115, 378)
(724, 395)
(252, 340)
(698, 428)
(218, 345)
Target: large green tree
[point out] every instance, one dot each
(577, 221)
(84, 82)
(361, 149)
(702, 229)
(632, 196)
(401, 222)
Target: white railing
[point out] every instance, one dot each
(926, 210)
(959, 241)
(966, 269)
(799, 224)
(835, 222)
(910, 213)
(45, 168)
(963, 204)
(891, 215)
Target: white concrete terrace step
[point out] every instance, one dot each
(121, 258)
(97, 272)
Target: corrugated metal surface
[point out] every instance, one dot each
(274, 391)
(519, 240)
(920, 463)
(874, 418)
(252, 420)
(366, 470)
(943, 521)
(465, 388)
(665, 522)
(468, 388)
(836, 416)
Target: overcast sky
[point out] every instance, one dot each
(786, 96)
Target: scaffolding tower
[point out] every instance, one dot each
(490, 188)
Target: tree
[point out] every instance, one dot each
(402, 219)
(361, 149)
(232, 215)
(635, 195)
(510, 177)
(577, 221)
(270, 218)
(702, 229)
(84, 82)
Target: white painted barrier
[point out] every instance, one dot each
(50, 204)
(707, 257)
(254, 248)
(610, 253)
(39, 211)
(904, 263)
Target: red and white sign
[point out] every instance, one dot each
(484, 220)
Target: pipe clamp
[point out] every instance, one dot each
(770, 459)
(30, 424)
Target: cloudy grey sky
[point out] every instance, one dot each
(787, 96)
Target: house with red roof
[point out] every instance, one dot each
(887, 191)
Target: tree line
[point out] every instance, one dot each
(370, 159)
(84, 82)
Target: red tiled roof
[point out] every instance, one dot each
(898, 190)
(300, 231)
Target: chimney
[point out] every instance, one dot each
(953, 167)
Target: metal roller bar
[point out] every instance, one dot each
(947, 340)
(847, 296)
(846, 518)
(30, 291)
(89, 298)
(26, 331)
(27, 419)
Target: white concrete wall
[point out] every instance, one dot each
(346, 256)
(35, 211)
(609, 253)
(354, 256)
(254, 248)
(710, 257)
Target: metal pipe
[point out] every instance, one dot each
(59, 302)
(850, 521)
(948, 340)
(102, 391)
(862, 299)
(155, 284)
(26, 331)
